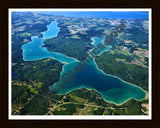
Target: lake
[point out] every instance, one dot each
(111, 88)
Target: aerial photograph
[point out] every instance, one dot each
(79, 63)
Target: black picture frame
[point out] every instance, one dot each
(153, 4)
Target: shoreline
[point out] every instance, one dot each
(83, 86)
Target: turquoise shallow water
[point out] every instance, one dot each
(111, 88)
(34, 51)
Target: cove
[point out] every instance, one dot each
(111, 88)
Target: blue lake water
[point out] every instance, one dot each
(34, 51)
(52, 31)
(111, 88)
